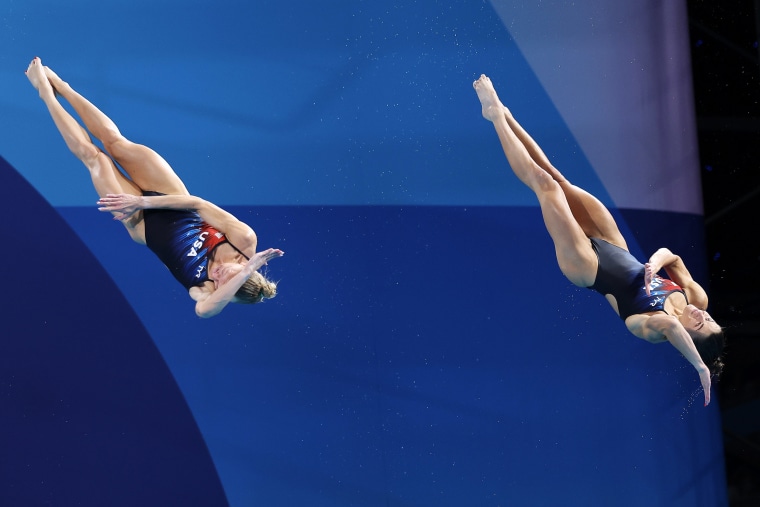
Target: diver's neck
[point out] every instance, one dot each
(675, 304)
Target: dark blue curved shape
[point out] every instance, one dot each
(90, 413)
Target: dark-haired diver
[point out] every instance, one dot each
(591, 252)
(208, 250)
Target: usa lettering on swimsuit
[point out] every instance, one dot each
(199, 243)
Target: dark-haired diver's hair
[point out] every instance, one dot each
(710, 349)
(256, 289)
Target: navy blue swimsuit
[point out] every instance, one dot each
(621, 275)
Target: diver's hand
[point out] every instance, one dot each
(704, 377)
(260, 259)
(122, 206)
(649, 274)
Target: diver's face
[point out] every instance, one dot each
(698, 322)
(222, 273)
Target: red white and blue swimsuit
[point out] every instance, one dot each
(182, 241)
(621, 275)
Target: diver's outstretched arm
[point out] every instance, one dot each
(239, 233)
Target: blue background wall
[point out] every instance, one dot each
(424, 348)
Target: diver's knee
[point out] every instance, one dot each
(543, 182)
(117, 145)
(86, 152)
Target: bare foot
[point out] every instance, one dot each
(36, 75)
(492, 106)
